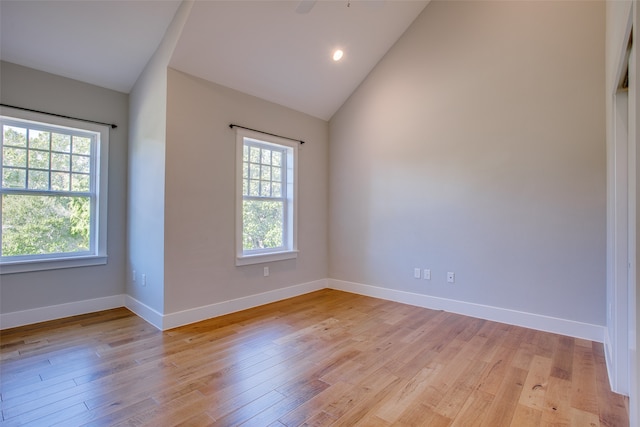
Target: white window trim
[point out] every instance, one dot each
(257, 258)
(25, 266)
(98, 255)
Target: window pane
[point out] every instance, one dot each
(254, 172)
(277, 158)
(276, 174)
(265, 189)
(266, 157)
(59, 181)
(254, 188)
(81, 164)
(39, 139)
(245, 153)
(245, 187)
(254, 155)
(15, 136)
(276, 190)
(245, 170)
(38, 159)
(14, 178)
(266, 173)
(61, 142)
(80, 182)
(38, 180)
(262, 224)
(60, 162)
(81, 145)
(14, 157)
(33, 225)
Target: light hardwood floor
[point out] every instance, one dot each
(326, 358)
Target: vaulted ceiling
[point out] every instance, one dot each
(264, 48)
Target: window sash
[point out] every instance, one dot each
(282, 182)
(41, 252)
(72, 133)
(283, 240)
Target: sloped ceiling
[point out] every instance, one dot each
(267, 49)
(105, 43)
(263, 48)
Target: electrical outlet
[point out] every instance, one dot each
(416, 273)
(144, 279)
(426, 274)
(133, 275)
(265, 271)
(451, 277)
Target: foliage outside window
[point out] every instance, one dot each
(266, 198)
(51, 207)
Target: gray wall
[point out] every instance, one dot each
(477, 146)
(200, 194)
(147, 145)
(37, 90)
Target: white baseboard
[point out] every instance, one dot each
(185, 317)
(157, 319)
(52, 312)
(142, 310)
(180, 318)
(518, 318)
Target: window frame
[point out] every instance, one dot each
(97, 253)
(290, 223)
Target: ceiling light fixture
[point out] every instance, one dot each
(337, 55)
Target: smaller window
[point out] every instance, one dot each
(266, 198)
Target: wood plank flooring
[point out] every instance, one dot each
(327, 358)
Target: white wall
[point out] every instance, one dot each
(29, 88)
(146, 201)
(145, 217)
(200, 194)
(477, 146)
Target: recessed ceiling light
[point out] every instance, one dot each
(337, 55)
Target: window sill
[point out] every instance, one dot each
(11, 267)
(262, 258)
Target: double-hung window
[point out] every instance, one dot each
(266, 198)
(53, 193)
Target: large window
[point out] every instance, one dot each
(266, 198)
(53, 193)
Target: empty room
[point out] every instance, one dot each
(319, 213)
